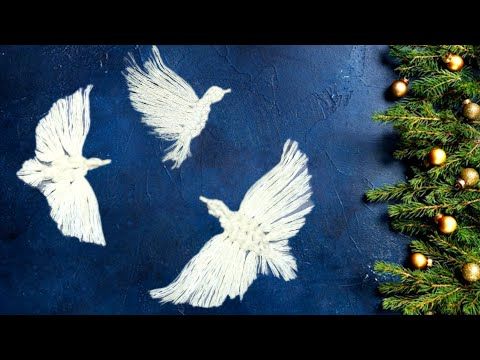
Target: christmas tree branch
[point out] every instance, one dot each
(432, 116)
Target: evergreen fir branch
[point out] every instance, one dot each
(453, 246)
(436, 252)
(414, 210)
(407, 192)
(432, 116)
(411, 227)
(387, 192)
(435, 85)
(418, 209)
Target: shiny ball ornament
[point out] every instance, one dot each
(453, 62)
(420, 261)
(471, 272)
(399, 88)
(437, 156)
(468, 178)
(438, 217)
(446, 224)
(471, 110)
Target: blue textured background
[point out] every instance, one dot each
(321, 96)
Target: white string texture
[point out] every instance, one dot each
(255, 238)
(58, 169)
(169, 104)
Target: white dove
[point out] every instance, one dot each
(169, 104)
(58, 169)
(254, 240)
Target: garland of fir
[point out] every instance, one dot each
(432, 115)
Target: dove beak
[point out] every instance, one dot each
(106, 162)
(93, 164)
(227, 91)
(204, 199)
(102, 163)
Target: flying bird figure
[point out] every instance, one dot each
(169, 104)
(254, 240)
(58, 169)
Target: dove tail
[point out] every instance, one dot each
(178, 151)
(220, 269)
(32, 172)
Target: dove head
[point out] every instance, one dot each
(216, 208)
(94, 163)
(215, 94)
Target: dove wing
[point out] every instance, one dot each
(64, 129)
(220, 269)
(279, 202)
(164, 98)
(74, 208)
(166, 101)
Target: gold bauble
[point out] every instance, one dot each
(399, 88)
(468, 178)
(471, 272)
(446, 224)
(453, 62)
(438, 217)
(471, 110)
(437, 156)
(420, 261)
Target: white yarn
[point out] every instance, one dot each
(58, 169)
(169, 104)
(255, 238)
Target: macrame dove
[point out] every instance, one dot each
(169, 104)
(58, 169)
(254, 240)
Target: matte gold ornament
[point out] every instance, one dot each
(471, 272)
(399, 88)
(453, 62)
(420, 261)
(446, 223)
(468, 178)
(471, 110)
(437, 156)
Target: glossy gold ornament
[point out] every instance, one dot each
(438, 217)
(468, 178)
(437, 156)
(453, 62)
(446, 223)
(399, 88)
(420, 261)
(471, 272)
(471, 110)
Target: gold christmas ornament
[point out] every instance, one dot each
(471, 272)
(446, 223)
(471, 110)
(438, 217)
(437, 156)
(420, 261)
(453, 62)
(468, 178)
(399, 88)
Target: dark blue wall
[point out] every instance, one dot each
(321, 96)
